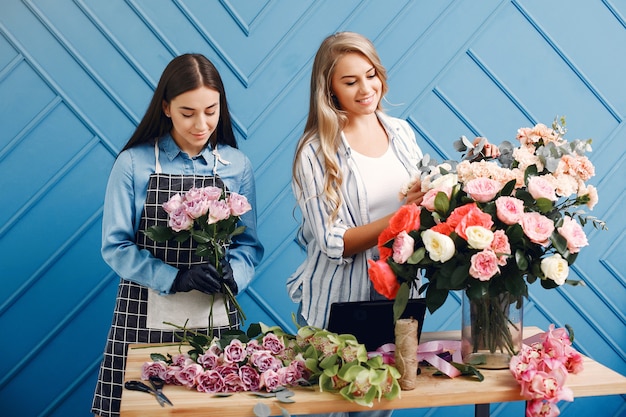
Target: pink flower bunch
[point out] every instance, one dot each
(541, 369)
(489, 227)
(273, 359)
(210, 201)
(252, 366)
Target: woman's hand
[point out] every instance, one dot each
(489, 150)
(415, 195)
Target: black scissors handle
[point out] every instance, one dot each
(140, 386)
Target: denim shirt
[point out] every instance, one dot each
(126, 194)
(326, 276)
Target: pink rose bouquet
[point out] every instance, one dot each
(270, 360)
(490, 228)
(209, 216)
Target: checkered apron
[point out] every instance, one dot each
(133, 303)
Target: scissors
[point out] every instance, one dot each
(156, 389)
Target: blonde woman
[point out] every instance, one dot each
(349, 167)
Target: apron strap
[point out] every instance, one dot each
(157, 167)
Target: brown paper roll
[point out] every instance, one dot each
(406, 352)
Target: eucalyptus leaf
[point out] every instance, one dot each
(261, 410)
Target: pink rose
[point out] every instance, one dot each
(235, 352)
(212, 193)
(195, 205)
(187, 375)
(537, 227)
(484, 265)
(173, 203)
(170, 375)
(402, 247)
(573, 232)
(209, 360)
(157, 369)
(500, 245)
(250, 378)
(270, 380)
(253, 346)
(210, 381)
(272, 343)
(288, 375)
(428, 201)
(179, 220)
(482, 189)
(218, 210)
(509, 209)
(540, 187)
(263, 360)
(238, 204)
(233, 383)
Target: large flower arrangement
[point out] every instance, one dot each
(268, 359)
(209, 216)
(490, 228)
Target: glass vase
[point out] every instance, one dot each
(492, 330)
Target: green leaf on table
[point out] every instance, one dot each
(465, 369)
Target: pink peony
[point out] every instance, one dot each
(484, 265)
(482, 189)
(509, 210)
(573, 232)
(500, 245)
(537, 227)
(540, 187)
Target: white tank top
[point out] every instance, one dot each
(383, 177)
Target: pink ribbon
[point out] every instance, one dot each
(427, 351)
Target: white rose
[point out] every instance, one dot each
(445, 181)
(555, 268)
(439, 246)
(478, 237)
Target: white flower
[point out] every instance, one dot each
(439, 246)
(478, 237)
(555, 268)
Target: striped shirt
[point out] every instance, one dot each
(325, 276)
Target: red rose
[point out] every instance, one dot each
(407, 218)
(443, 228)
(383, 278)
(385, 236)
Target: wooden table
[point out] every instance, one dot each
(431, 391)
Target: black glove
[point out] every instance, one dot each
(228, 278)
(204, 278)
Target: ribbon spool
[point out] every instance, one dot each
(406, 352)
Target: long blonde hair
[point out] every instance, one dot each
(326, 120)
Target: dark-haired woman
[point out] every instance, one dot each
(184, 140)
